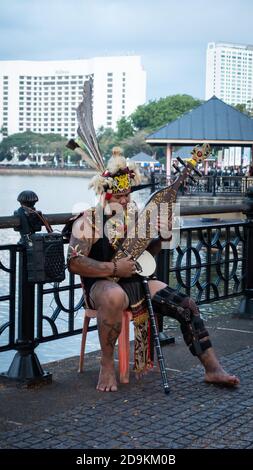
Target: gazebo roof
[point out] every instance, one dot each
(213, 121)
(142, 157)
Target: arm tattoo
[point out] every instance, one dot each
(79, 247)
(81, 242)
(85, 266)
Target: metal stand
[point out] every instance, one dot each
(155, 331)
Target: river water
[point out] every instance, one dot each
(57, 194)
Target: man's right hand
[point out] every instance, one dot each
(125, 267)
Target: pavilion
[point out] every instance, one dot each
(144, 160)
(213, 122)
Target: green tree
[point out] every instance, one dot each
(156, 114)
(30, 142)
(124, 129)
(107, 140)
(245, 108)
(136, 144)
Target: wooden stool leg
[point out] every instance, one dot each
(124, 349)
(86, 322)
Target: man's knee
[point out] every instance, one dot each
(184, 309)
(190, 304)
(113, 299)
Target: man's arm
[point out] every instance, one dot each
(85, 266)
(91, 268)
(79, 248)
(80, 263)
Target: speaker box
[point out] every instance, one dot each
(45, 257)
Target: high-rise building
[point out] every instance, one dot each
(42, 96)
(229, 73)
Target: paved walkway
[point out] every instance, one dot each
(70, 414)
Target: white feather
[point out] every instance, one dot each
(116, 163)
(99, 183)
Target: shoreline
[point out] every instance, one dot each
(48, 172)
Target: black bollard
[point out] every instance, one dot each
(152, 182)
(214, 179)
(246, 305)
(25, 366)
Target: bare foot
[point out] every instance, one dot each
(107, 379)
(214, 372)
(220, 377)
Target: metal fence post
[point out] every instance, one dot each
(25, 366)
(214, 179)
(246, 305)
(162, 275)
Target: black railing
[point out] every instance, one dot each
(210, 185)
(215, 184)
(211, 263)
(9, 317)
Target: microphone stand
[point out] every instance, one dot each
(155, 332)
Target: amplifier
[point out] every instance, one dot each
(45, 257)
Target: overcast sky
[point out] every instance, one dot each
(171, 36)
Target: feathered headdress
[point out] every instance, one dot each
(118, 177)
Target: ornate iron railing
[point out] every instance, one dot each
(209, 264)
(8, 316)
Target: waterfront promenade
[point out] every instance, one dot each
(47, 171)
(70, 414)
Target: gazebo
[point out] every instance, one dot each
(213, 122)
(143, 159)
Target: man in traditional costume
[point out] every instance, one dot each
(113, 285)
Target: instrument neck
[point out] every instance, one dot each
(181, 178)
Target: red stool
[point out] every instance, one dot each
(123, 343)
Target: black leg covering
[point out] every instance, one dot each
(179, 306)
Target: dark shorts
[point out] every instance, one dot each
(132, 288)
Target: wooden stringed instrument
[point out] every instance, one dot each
(134, 245)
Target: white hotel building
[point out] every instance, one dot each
(229, 73)
(42, 96)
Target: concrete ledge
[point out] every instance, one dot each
(47, 172)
